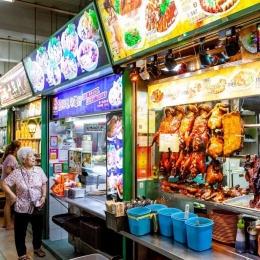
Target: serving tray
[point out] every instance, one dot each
(241, 202)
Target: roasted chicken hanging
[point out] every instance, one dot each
(215, 146)
(214, 174)
(187, 124)
(215, 119)
(165, 124)
(233, 129)
(200, 127)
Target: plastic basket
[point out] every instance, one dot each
(72, 225)
(179, 227)
(116, 223)
(92, 232)
(61, 218)
(199, 233)
(165, 221)
(91, 257)
(139, 221)
(225, 226)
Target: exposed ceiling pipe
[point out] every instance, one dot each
(46, 8)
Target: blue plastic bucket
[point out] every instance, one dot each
(199, 233)
(179, 227)
(165, 221)
(154, 209)
(139, 221)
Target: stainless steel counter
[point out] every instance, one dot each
(161, 244)
(176, 251)
(89, 204)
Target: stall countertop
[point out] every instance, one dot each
(89, 204)
(174, 250)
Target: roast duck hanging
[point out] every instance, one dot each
(206, 137)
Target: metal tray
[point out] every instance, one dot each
(241, 202)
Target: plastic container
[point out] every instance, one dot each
(154, 209)
(165, 221)
(91, 257)
(179, 226)
(139, 221)
(199, 233)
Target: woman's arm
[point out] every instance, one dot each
(43, 198)
(8, 170)
(8, 191)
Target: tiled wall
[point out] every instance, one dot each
(55, 208)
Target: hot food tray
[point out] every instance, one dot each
(241, 202)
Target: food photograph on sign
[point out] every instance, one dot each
(135, 26)
(233, 82)
(76, 49)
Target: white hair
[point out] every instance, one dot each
(23, 153)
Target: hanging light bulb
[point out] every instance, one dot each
(134, 77)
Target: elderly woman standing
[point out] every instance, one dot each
(30, 182)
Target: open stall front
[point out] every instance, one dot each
(212, 50)
(84, 146)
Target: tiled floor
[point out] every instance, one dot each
(60, 250)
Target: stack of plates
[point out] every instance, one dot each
(225, 226)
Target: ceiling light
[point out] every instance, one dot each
(134, 76)
(155, 71)
(232, 47)
(8, 0)
(170, 62)
(206, 60)
(144, 74)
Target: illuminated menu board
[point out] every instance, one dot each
(14, 86)
(102, 95)
(136, 26)
(75, 51)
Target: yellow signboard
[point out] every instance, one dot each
(132, 26)
(227, 83)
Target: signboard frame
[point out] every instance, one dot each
(91, 92)
(87, 75)
(14, 81)
(184, 37)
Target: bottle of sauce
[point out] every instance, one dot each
(252, 239)
(240, 244)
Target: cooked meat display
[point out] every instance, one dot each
(200, 127)
(214, 174)
(215, 147)
(215, 120)
(187, 124)
(233, 133)
(165, 124)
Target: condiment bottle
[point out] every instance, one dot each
(240, 244)
(252, 239)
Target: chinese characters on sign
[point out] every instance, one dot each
(14, 86)
(102, 95)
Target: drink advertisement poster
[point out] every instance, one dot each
(138, 25)
(114, 155)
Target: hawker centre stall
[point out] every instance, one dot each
(194, 68)
(84, 148)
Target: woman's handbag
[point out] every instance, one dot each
(33, 209)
